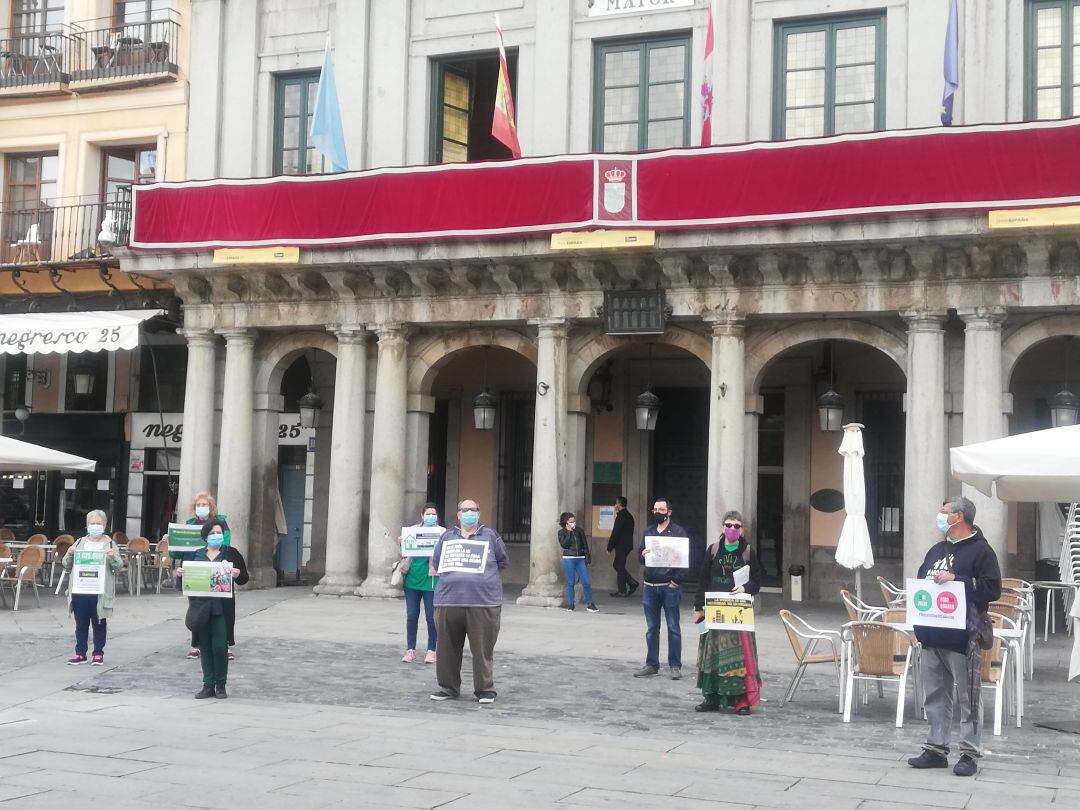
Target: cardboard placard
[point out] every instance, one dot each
(464, 556)
(205, 578)
(88, 572)
(933, 605)
(666, 551)
(185, 537)
(419, 541)
(729, 611)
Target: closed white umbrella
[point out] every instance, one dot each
(854, 549)
(16, 455)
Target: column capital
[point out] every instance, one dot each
(238, 336)
(726, 324)
(924, 320)
(349, 333)
(199, 336)
(553, 327)
(392, 332)
(988, 318)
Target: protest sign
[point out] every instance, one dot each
(729, 611)
(185, 537)
(205, 578)
(419, 541)
(667, 552)
(933, 605)
(88, 572)
(464, 556)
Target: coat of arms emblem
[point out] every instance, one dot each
(614, 190)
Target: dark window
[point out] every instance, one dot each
(170, 381)
(37, 16)
(514, 507)
(463, 95)
(96, 365)
(29, 196)
(295, 382)
(14, 381)
(883, 414)
(294, 107)
(641, 94)
(129, 12)
(829, 76)
(1052, 59)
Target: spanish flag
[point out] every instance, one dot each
(502, 123)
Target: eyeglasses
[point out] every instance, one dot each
(732, 525)
(470, 509)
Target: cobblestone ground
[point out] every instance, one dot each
(322, 713)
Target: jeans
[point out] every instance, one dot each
(214, 651)
(942, 672)
(575, 568)
(84, 606)
(412, 616)
(652, 599)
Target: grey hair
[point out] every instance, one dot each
(962, 506)
(733, 514)
(97, 513)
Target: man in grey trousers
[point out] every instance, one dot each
(952, 658)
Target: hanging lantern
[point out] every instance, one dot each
(310, 405)
(830, 407)
(647, 409)
(483, 409)
(1064, 408)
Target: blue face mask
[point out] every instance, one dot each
(943, 523)
(202, 512)
(95, 530)
(215, 540)
(431, 520)
(470, 518)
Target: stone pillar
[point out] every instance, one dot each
(924, 450)
(418, 437)
(727, 422)
(549, 454)
(754, 408)
(346, 465)
(197, 447)
(984, 417)
(387, 501)
(234, 467)
(577, 499)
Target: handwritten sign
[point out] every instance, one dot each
(932, 605)
(419, 541)
(729, 611)
(88, 572)
(667, 552)
(464, 556)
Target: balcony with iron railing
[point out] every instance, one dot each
(65, 231)
(88, 56)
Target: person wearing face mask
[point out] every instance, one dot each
(728, 674)
(469, 605)
(575, 560)
(419, 584)
(952, 658)
(214, 637)
(662, 591)
(93, 609)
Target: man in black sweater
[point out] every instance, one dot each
(953, 657)
(662, 593)
(621, 543)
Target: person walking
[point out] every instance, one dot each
(576, 558)
(952, 658)
(662, 592)
(419, 584)
(620, 544)
(213, 636)
(728, 675)
(93, 610)
(468, 605)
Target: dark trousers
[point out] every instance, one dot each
(229, 606)
(214, 651)
(413, 598)
(655, 599)
(625, 580)
(481, 626)
(84, 605)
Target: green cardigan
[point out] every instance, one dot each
(116, 562)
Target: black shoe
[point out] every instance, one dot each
(633, 587)
(618, 594)
(485, 697)
(207, 691)
(646, 671)
(592, 608)
(707, 706)
(219, 692)
(443, 694)
(965, 766)
(929, 759)
(569, 607)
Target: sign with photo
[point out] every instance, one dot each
(729, 611)
(464, 557)
(667, 552)
(205, 578)
(88, 572)
(933, 605)
(419, 541)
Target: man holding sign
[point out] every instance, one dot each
(468, 602)
(668, 541)
(952, 655)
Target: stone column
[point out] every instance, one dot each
(727, 422)
(577, 499)
(234, 466)
(417, 442)
(924, 450)
(984, 417)
(549, 454)
(197, 447)
(754, 408)
(346, 465)
(387, 502)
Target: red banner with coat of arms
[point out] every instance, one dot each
(875, 174)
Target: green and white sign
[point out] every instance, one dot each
(205, 578)
(933, 605)
(419, 541)
(88, 572)
(185, 537)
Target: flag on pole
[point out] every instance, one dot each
(952, 65)
(326, 133)
(503, 126)
(707, 85)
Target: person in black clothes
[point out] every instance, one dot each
(575, 559)
(661, 591)
(952, 658)
(621, 543)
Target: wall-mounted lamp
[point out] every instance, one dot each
(310, 405)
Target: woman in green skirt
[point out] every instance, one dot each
(728, 674)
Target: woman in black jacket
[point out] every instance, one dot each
(575, 560)
(727, 659)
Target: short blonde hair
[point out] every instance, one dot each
(205, 496)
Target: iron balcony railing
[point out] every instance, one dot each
(33, 59)
(67, 230)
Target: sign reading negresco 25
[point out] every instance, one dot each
(602, 8)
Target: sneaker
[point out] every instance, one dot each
(219, 692)
(232, 655)
(592, 608)
(707, 706)
(632, 588)
(965, 766)
(75, 660)
(193, 652)
(646, 671)
(207, 691)
(443, 694)
(430, 657)
(408, 657)
(485, 697)
(569, 607)
(98, 660)
(929, 759)
(676, 673)
(618, 594)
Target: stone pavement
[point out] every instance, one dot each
(322, 713)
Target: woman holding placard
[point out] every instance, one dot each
(213, 635)
(92, 586)
(419, 583)
(728, 674)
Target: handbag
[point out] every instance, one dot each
(980, 628)
(198, 614)
(396, 577)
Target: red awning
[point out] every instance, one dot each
(864, 175)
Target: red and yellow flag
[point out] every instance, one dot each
(503, 126)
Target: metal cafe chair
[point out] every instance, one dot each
(804, 640)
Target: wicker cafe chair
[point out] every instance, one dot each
(63, 543)
(804, 641)
(37, 540)
(995, 672)
(877, 652)
(7, 535)
(159, 561)
(858, 610)
(30, 561)
(894, 596)
(120, 538)
(1024, 604)
(138, 549)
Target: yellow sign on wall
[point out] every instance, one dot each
(596, 240)
(1062, 215)
(266, 255)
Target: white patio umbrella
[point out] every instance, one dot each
(1040, 466)
(853, 549)
(16, 455)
